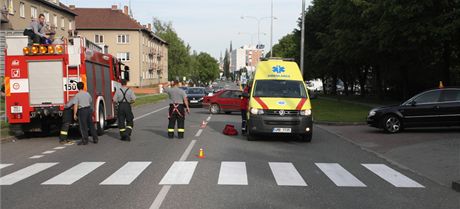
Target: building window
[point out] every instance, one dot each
(10, 7)
(47, 17)
(70, 25)
(123, 39)
(33, 12)
(98, 39)
(55, 21)
(62, 22)
(22, 12)
(123, 56)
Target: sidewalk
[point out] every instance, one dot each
(432, 153)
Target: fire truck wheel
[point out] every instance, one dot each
(101, 123)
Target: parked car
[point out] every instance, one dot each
(223, 101)
(195, 96)
(435, 108)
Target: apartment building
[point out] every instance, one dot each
(134, 44)
(16, 15)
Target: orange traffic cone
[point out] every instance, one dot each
(441, 85)
(201, 153)
(203, 124)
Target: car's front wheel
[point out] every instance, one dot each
(214, 109)
(392, 124)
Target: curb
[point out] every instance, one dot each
(7, 139)
(456, 185)
(331, 123)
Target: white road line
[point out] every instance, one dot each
(286, 174)
(147, 114)
(199, 133)
(4, 165)
(179, 173)
(160, 197)
(165, 189)
(75, 173)
(36, 156)
(25, 173)
(392, 176)
(126, 174)
(49, 152)
(233, 173)
(59, 148)
(187, 151)
(209, 118)
(69, 144)
(339, 175)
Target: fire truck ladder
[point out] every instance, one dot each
(67, 79)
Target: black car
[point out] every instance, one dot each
(195, 96)
(435, 108)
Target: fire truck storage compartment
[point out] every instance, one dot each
(100, 84)
(46, 82)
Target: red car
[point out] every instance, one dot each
(223, 101)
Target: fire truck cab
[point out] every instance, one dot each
(41, 79)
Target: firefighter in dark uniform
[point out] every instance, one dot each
(124, 96)
(66, 121)
(178, 105)
(84, 108)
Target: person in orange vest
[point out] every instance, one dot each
(244, 109)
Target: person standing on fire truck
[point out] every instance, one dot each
(124, 96)
(177, 100)
(83, 107)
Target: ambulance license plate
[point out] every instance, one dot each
(16, 109)
(281, 130)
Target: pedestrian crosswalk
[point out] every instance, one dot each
(230, 173)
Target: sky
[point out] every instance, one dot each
(210, 25)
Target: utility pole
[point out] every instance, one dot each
(271, 32)
(302, 39)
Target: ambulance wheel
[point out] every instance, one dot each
(249, 135)
(101, 123)
(214, 109)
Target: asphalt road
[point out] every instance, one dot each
(152, 171)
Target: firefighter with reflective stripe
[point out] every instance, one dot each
(66, 120)
(124, 96)
(178, 105)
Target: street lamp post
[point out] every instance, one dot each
(302, 39)
(259, 20)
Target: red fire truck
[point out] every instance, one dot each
(41, 79)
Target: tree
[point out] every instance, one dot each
(205, 68)
(227, 65)
(178, 52)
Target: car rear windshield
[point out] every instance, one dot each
(195, 91)
(279, 88)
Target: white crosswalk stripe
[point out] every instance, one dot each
(339, 175)
(126, 174)
(4, 165)
(180, 172)
(233, 173)
(73, 174)
(36, 156)
(25, 173)
(392, 176)
(286, 174)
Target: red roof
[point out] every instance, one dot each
(104, 18)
